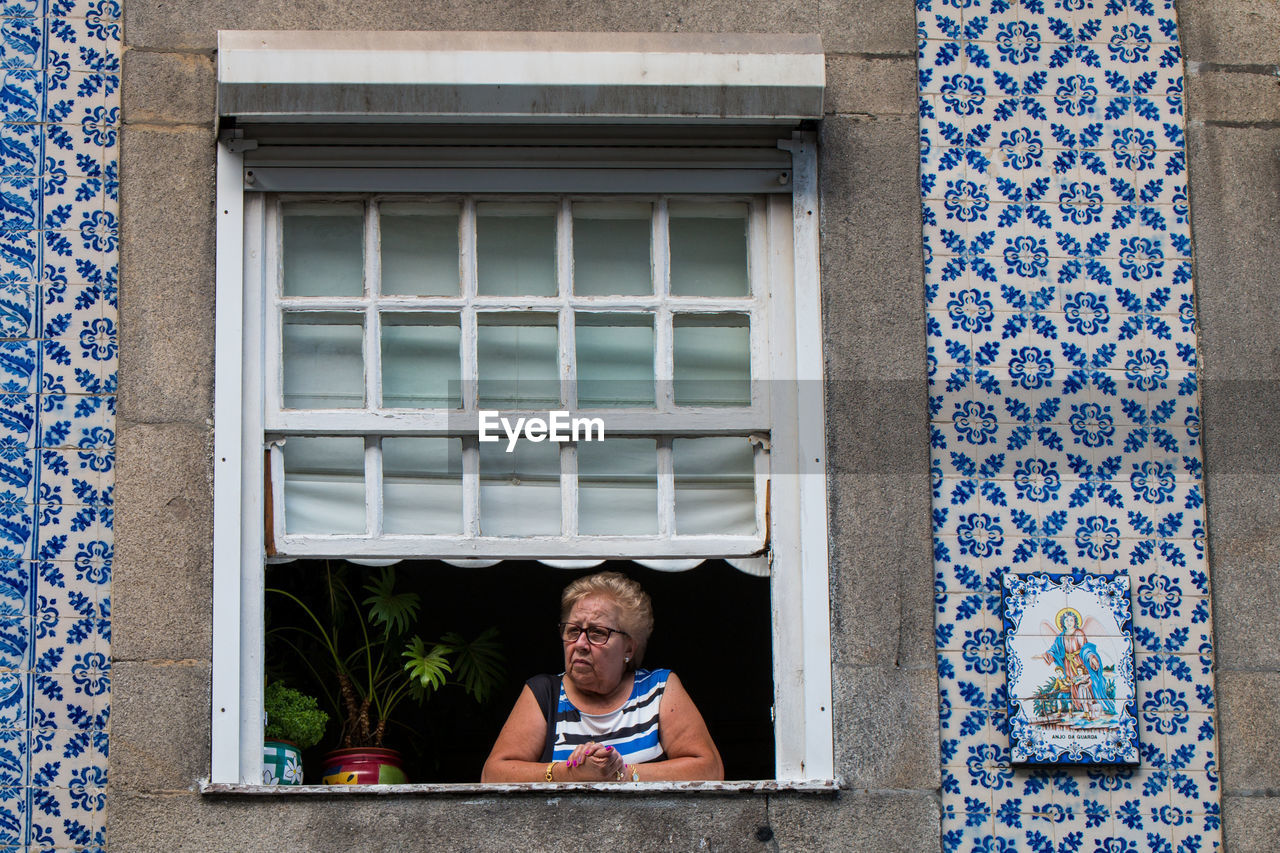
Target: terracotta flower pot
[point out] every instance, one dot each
(363, 766)
(281, 763)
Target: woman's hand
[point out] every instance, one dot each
(592, 762)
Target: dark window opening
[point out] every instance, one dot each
(712, 627)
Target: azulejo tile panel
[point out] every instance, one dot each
(1069, 669)
(1062, 363)
(59, 126)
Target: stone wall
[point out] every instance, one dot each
(885, 690)
(1233, 141)
(884, 672)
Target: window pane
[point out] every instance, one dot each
(615, 359)
(712, 359)
(324, 485)
(420, 249)
(618, 487)
(516, 249)
(422, 485)
(518, 358)
(715, 485)
(323, 249)
(323, 361)
(520, 490)
(708, 249)
(421, 365)
(611, 249)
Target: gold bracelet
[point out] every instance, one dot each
(549, 766)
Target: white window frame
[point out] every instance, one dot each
(797, 506)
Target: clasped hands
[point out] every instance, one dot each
(593, 762)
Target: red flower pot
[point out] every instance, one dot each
(363, 766)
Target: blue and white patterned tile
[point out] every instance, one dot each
(966, 687)
(16, 637)
(73, 748)
(1099, 150)
(68, 815)
(72, 374)
(14, 693)
(72, 645)
(61, 596)
(70, 697)
(94, 29)
(968, 615)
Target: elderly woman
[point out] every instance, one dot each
(604, 719)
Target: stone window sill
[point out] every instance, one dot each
(767, 786)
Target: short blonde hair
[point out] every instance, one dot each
(634, 604)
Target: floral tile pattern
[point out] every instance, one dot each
(1064, 407)
(59, 124)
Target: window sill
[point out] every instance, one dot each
(765, 786)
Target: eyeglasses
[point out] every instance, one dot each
(596, 635)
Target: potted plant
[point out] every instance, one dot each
(367, 664)
(292, 722)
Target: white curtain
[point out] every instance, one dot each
(517, 358)
(324, 489)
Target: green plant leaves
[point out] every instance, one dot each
(394, 611)
(478, 664)
(292, 716)
(429, 669)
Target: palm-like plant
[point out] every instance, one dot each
(367, 668)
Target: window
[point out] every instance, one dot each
(393, 299)
(409, 338)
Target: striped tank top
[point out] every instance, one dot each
(632, 729)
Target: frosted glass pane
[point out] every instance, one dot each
(715, 485)
(420, 250)
(615, 360)
(324, 485)
(421, 366)
(323, 250)
(611, 249)
(518, 364)
(422, 485)
(618, 487)
(516, 249)
(712, 359)
(323, 364)
(708, 250)
(520, 490)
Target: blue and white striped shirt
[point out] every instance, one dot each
(632, 729)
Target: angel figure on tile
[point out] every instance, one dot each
(1079, 662)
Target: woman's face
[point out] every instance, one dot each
(597, 669)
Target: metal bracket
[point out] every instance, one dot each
(234, 139)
